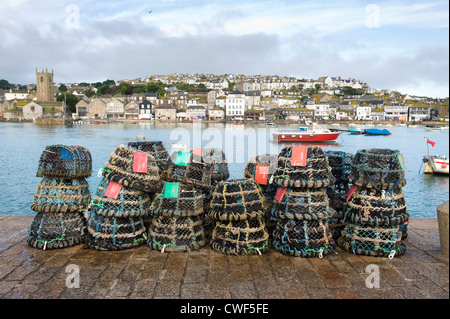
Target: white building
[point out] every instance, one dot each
(396, 112)
(233, 104)
(320, 110)
(363, 113)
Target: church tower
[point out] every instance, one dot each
(44, 86)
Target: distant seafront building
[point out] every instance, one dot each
(44, 86)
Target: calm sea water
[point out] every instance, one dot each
(21, 145)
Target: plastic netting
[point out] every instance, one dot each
(127, 202)
(303, 238)
(61, 195)
(191, 172)
(378, 168)
(176, 234)
(215, 158)
(188, 202)
(308, 204)
(242, 237)
(156, 149)
(315, 174)
(119, 169)
(72, 161)
(266, 160)
(341, 165)
(371, 207)
(237, 199)
(56, 230)
(114, 233)
(372, 241)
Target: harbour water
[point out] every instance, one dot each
(21, 145)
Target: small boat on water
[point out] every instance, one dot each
(356, 132)
(238, 123)
(435, 164)
(432, 128)
(310, 133)
(270, 124)
(141, 136)
(375, 131)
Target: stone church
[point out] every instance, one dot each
(44, 86)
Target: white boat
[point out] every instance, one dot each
(270, 124)
(141, 136)
(436, 164)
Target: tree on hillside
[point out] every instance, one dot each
(71, 101)
(4, 85)
(62, 88)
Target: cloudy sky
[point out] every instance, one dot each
(401, 45)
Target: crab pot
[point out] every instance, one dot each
(261, 168)
(240, 237)
(341, 165)
(56, 230)
(155, 149)
(115, 200)
(187, 171)
(307, 204)
(176, 234)
(237, 199)
(372, 207)
(134, 170)
(215, 158)
(72, 161)
(61, 195)
(114, 233)
(378, 168)
(372, 241)
(303, 238)
(178, 200)
(303, 167)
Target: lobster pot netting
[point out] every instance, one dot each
(121, 169)
(376, 241)
(378, 168)
(176, 234)
(155, 149)
(242, 237)
(372, 207)
(56, 230)
(308, 204)
(188, 202)
(303, 238)
(267, 160)
(341, 165)
(114, 233)
(127, 203)
(315, 174)
(72, 161)
(61, 195)
(215, 158)
(237, 199)
(195, 173)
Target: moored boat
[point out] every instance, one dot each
(374, 131)
(436, 164)
(311, 133)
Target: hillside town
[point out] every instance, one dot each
(209, 97)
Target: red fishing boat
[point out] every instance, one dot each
(310, 133)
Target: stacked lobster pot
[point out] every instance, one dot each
(215, 158)
(341, 165)
(61, 198)
(261, 169)
(301, 203)
(123, 200)
(177, 209)
(376, 208)
(238, 207)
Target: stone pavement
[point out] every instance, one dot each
(29, 273)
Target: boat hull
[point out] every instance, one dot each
(305, 137)
(437, 166)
